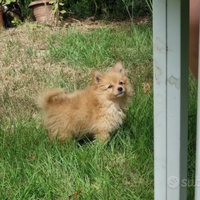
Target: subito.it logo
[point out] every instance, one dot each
(173, 182)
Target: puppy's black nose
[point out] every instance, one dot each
(120, 89)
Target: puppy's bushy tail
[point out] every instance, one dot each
(49, 97)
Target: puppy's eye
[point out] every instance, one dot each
(110, 86)
(121, 83)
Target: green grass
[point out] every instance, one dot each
(31, 166)
(103, 46)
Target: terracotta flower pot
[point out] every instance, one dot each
(1, 17)
(42, 11)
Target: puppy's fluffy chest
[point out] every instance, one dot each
(112, 116)
(114, 112)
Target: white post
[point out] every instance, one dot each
(171, 50)
(160, 99)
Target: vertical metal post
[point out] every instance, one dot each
(171, 50)
(160, 98)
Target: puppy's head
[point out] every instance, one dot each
(114, 83)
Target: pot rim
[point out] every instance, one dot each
(34, 3)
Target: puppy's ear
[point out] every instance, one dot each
(118, 67)
(96, 76)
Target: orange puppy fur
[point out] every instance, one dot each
(96, 111)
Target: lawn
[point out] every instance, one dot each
(34, 57)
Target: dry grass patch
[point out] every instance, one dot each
(26, 69)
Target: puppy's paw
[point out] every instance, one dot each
(103, 137)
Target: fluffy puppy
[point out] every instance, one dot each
(96, 111)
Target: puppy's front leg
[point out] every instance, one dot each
(64, 137)
(103, 136)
